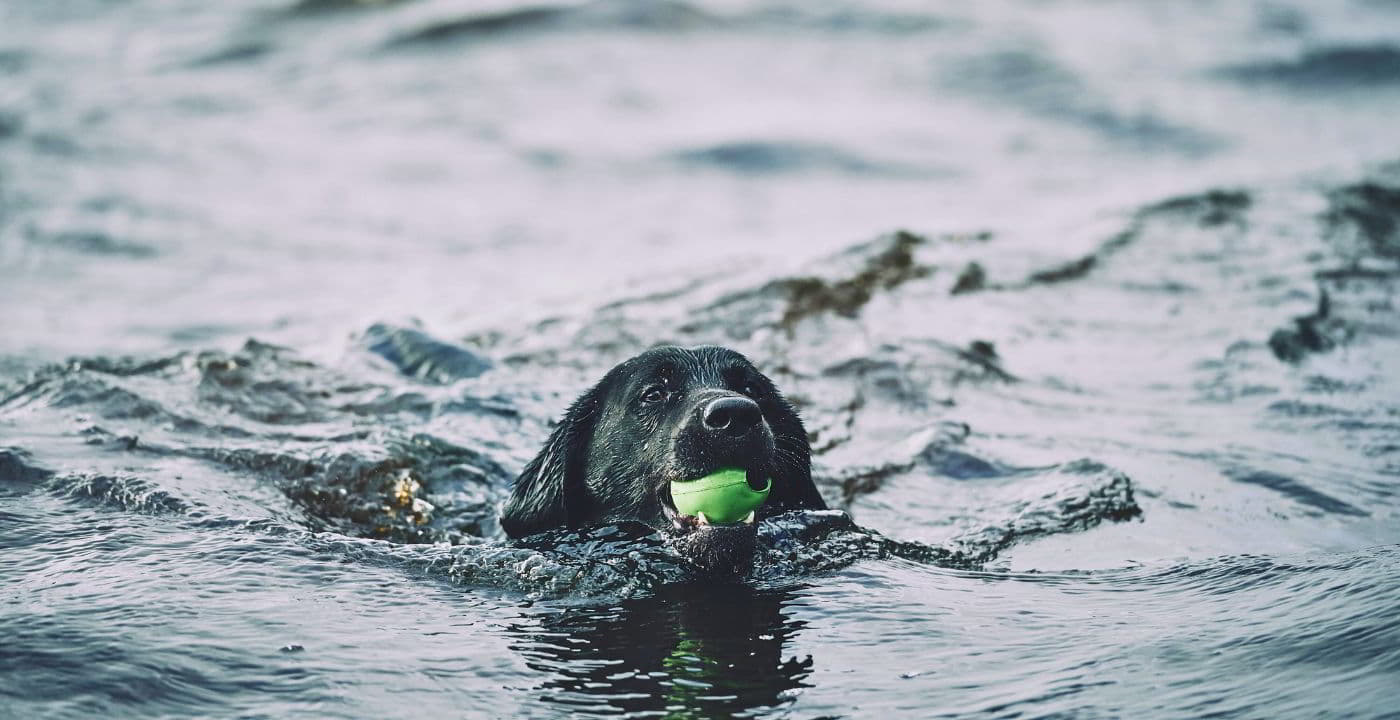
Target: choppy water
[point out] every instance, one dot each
(1090, 309)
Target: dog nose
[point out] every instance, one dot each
(732, 415)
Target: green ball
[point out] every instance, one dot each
(723, 496)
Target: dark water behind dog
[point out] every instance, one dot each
(1118, 416)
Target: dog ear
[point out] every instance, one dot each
(549, 494)
(797, 491)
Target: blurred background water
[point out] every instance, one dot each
(1089, 307)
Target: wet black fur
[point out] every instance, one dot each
(618, 447)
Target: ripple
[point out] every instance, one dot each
(1326, 69)
(1038, 84)
(1296, 491)
(757, 157)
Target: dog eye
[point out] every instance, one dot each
(737, 379)
(653, 395)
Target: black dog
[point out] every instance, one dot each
(668, 415)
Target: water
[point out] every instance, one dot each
(1089, 309)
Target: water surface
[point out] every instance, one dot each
(1089, 309)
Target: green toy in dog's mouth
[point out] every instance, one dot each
(723, 497)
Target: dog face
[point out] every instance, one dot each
(667, 415)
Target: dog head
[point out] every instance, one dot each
(668, 415)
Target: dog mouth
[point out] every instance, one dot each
(686, 524)
(727, 490)
(712, 518)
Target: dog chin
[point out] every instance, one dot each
(717, 551)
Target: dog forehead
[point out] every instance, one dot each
(705, 365)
